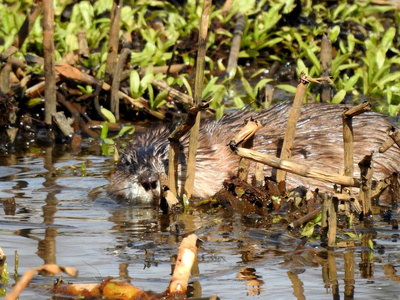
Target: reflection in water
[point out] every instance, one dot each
(53, 221)
(253, 282)
(297, 284)
(349, 275)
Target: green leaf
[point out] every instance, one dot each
(247, 87)
(286, 87)
(334, 33)
(160, 99)
(388, 78)
(351, 82)
(261, 84)
(134, 80)
(351, 42)
(207, 90)
(125, 129)
(104, 131)
(108, 115)
(108, 141)
(387, 39)
(104, 150)
(238, 102)
(187, 85)
(34, 101)
(308, 229)
(339, 97)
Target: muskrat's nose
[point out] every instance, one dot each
(148, 180)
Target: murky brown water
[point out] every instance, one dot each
(55, 221)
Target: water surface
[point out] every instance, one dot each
(57, 219)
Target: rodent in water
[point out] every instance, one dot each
(318, 144)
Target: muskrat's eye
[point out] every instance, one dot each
(153, 185)
(146, 186)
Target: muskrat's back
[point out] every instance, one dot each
(318, 144)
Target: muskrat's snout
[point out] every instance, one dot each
(149, 181)
(136, 179)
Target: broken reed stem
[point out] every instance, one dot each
(395, 190)
(348, 137)
(49, 64)
(193, 140)
(226, 8)
(395, 135)
(308, 217)
(329, 221)
(83, 48)
(173, 93)
(116, 82)
(173, 165)
(295, 168)
(23, 32)
(348, 140)
(5, 78)
(259, 175)
(291, 130)
(326, 66)
(245, 138)
(366, 185)
(244, 163)
(113, 40)
(235, 46)
(26, 27)
(187, 253)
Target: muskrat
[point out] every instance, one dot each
(318, 144)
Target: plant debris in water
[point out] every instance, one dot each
(153, 79)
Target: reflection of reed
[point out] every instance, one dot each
(298, 289)
(47, 246)
(366, 266)
(253, 284)
(349, 275)
(329, 274)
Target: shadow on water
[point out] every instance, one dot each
(48, 217)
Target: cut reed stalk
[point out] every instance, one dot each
(193, 140)
(49, 64)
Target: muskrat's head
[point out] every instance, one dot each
(136, 179)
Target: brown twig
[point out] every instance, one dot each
(116, 82)
(187, 254)
(5, 78)
(308, 217)
(294, 115)
(193, 140)
(326, 66)
(113, 40)
(295, 168)
(173, 93)
(49, 68)
(83, 48)
(329, 220)
(235, 46)
(245, 138)
(366, 184)
(23, 32)
(175, 145)
(226, 8)
(348, 137)
(24, 281)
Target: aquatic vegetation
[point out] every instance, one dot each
(279, 40)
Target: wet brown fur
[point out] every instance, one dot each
(318, 144)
